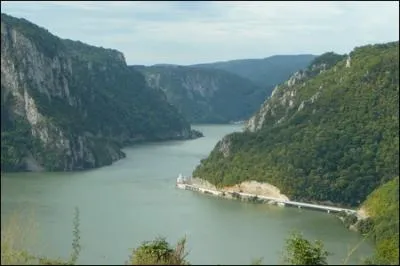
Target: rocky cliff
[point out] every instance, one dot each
(206, 95)
(284, 98)
(66, 105)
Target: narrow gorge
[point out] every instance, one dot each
(69, 106)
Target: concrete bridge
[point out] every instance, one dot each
(302, 204)
(279, 201)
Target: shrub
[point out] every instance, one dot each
(159, 252)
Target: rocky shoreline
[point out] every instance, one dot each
(250, 187)
(255, 190)
(359, 222)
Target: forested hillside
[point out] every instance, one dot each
(330, 133)
(206, 95)
(383, 207)
(66, 105)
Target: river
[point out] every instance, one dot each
(135, 199)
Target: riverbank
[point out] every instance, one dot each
(254, 188)
(360, 221)
(141, 192)
(258, 193)
(110, 153)
(229, 194)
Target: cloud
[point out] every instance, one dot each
(186, 32)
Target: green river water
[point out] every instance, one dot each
(135, 199)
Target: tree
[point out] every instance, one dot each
(300, 251)
(159, 252)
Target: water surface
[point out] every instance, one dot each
(135, 200)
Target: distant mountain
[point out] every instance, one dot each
(66, 105)
(223, 91)
(205, 95)
(266, 72)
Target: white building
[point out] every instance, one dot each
(180, 179)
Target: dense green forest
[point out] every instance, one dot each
(336, 140)
(383, 207)
(89, 103)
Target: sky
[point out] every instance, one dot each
(185, 32)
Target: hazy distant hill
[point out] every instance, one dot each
(205, 95)
(266, 72)
(223, 91)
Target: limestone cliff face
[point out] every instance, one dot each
(67, 105)
(206, 95)
(284, 100)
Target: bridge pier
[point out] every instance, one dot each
(329, 211)
(299, 206)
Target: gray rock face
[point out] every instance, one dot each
(285, 100)
(80, 103)
(205, 95)
(25, 69)
(224, 146)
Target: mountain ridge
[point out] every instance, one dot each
(205, 95)
(314, 141)
(266, 72)
(228, 84)
(69, 106)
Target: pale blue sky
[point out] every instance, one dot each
(199, 32)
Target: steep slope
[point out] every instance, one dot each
(205, 95)
(281, 103)
(383, 207)
(66, 105)
(330, 133)
(266, 72)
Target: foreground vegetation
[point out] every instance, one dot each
(382, 205)
(299, 251)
